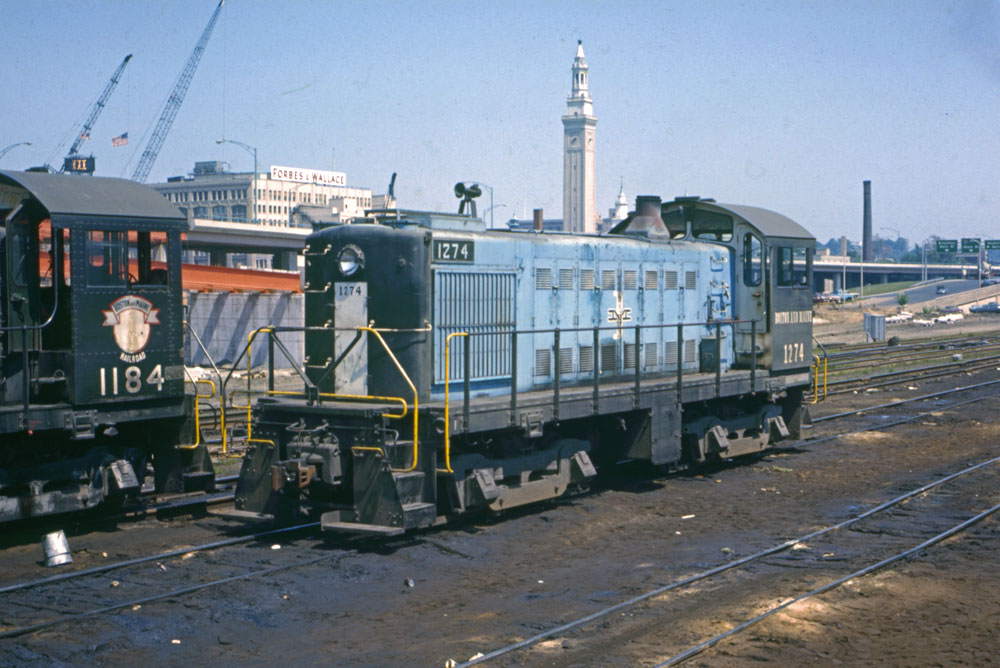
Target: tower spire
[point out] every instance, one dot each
(579, 192)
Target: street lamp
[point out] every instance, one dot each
(252, 150)
(490, 211)
(7, 148)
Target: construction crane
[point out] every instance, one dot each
(73, 162)
(173, 103)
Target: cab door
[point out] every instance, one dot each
(21, 281)
(751, 296)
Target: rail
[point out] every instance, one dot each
(447, 395)
(197, 412)
(816, 372)
(628, 364)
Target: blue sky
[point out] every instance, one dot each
(785, 105)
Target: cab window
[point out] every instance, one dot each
(793, 266)
(118, 258)
(107, 258)
(711, 226)
(753, 261)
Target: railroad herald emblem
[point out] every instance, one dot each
(130, 319)
(619, 314)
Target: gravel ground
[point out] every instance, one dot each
(453, 592)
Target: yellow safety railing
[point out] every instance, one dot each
(416, 404)
(328, 395)
(818, 370)
(197, 413)
(447, 400)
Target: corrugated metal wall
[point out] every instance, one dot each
(224, 320)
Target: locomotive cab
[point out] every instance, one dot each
(91, 366)
(772, 278)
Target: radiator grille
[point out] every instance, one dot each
(690, 280)
(631, 279)
(608, 279)
(650, 283)
(586, 359)
(586, 279)
(689, 350)
(483, 305)
(669, 280)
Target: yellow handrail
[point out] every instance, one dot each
(416, 405)
(197, 413)
(447, 400)
(816, 377)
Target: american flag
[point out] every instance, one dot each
(120, 140)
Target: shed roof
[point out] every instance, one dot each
(79, 195)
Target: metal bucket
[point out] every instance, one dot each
(56, 549)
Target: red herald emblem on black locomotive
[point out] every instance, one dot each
(130, 318)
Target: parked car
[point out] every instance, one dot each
(942, 290)
(990, 307)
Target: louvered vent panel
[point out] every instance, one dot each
(481, 304)
(650, 356)
(543, 278)
(565, 279)
(631, 279)
(670, 353)
(690, 280)
(586, 359)
(543, 362)
(650, 282)
(629, 355)
(586, 279)
(609, 357)
(608, 279)
(565, 361)
(670, 280)
(689, 351)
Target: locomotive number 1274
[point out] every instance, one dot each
(794, 352)
(129, 379)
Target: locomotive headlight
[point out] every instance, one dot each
(350, 260)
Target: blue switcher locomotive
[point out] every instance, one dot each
(91, 347)
(450, 368)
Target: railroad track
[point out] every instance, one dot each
(35, 605)
(903, 527)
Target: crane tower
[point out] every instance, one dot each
(173, 103)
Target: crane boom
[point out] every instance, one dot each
(88, 124)
(173, 103)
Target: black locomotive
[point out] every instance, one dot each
(91, 348)
(450, 368)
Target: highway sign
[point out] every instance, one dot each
(946, 245)
(992, 244)
(970, 245)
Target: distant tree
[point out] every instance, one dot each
(902, 299)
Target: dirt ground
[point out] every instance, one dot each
(453, 592)
(842, 324)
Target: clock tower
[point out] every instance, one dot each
(579, 195)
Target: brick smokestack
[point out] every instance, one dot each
(538, 218)
(866, 225)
